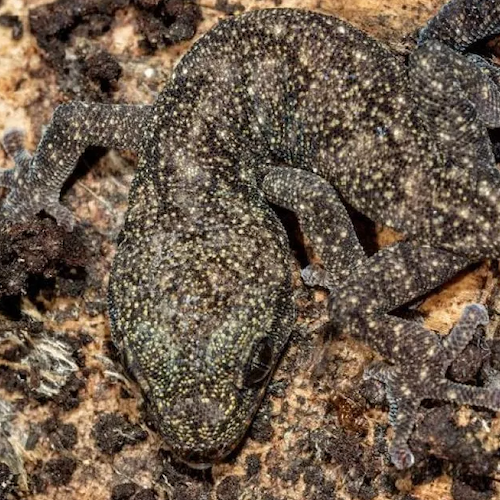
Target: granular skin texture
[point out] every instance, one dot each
(303, 111)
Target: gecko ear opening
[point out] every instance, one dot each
(260, 362)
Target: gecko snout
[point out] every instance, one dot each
(204, 421)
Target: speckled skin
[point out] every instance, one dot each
(304, 111)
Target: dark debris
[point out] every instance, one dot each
(56, 472)
(37, 249)
(8, 480)
(160, 22)
(146, 494)
(466, 367)
(124, 491)
(60, 470)
(13, 22)
(103, 68)
(261, 429)
(229, 488)
(61, 436)
(113, 431)
(472, 488)
(229, 8)
(438, 434)
(167, 22)
(53, 23)
(253, 464)
(68, 397)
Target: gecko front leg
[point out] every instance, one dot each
(36, 181)
(364, 290)
(324, 219)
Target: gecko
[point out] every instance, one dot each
(300, 110)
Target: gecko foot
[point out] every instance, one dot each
(27, 195)
(425, 378)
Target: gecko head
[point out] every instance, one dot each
(201, 322)
(203, 390)
(213, 406)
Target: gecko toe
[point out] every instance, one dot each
(401, 456)
(26, 198)
(403, 406)
(316, 275)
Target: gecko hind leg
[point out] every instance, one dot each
(432, 384)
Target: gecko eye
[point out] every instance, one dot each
(260, 362)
